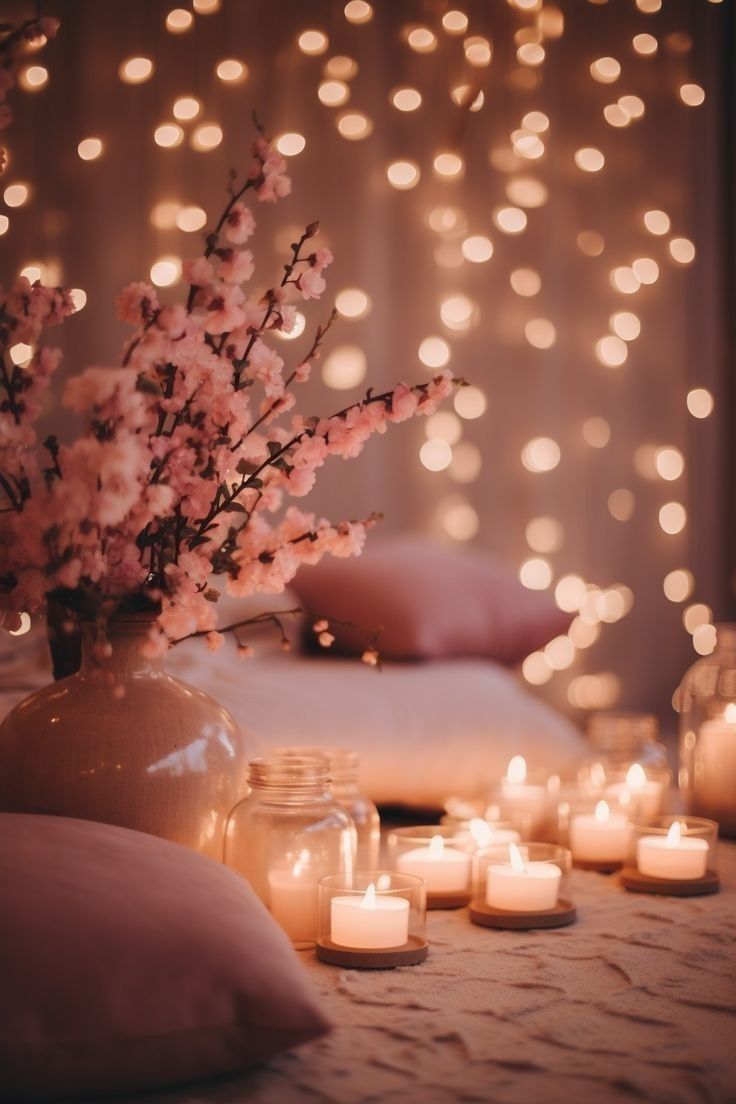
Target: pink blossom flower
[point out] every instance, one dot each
(198, 273)
(302, 372)
(237, 266)
(404, 403)
(173, 321)
(225, 310)
(136, 303)
(239, 224)
(311, 283)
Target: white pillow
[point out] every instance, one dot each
(423, 731)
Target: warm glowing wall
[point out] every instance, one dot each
(556, 168)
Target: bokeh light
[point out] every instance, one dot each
(403, 174)
(700, 402)
(434, 352)
(435, 454)
(477, 249)
(231, 71)
(353, 303)
(621, 504)
(678, 584)
(344, 368)
(89, 149)
(313, 42)
(470, 402)
(540, 333)
(136, 70)
(166, 271)
(541, 454)
(672, 518)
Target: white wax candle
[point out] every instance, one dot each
(445, 869)
(644, 794)
(372, 922)
(521, 797)
(293, 899)
(519, 886)
(714, 781)
(599, 837)
(674, 856)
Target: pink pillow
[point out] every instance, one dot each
(130, 963)
(432, 601)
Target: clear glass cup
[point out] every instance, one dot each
(707, 704)
(345, 775)
(438, 853)
(287, 834)
(372, 913)
(626, 756)
(675, 848)
(530, 880)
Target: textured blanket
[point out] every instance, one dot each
(636, 1002)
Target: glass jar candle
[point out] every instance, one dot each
(626, 759)
(345, 775)
(287, 834)
(707, 703)
(372, 919)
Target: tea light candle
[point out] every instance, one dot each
(520, 797)
(293, 899)
(481, 833)
(599, 837)
(519, 886)
(372, 922)
(674, 856)
(644, 793)
(715, 767)
(445, 869)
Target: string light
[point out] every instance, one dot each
(512, 220)
(696, 615)
(166, 271)
(445, 220)
(457, 312)
(678, 584)
(136, 70)
(531, 53)
(645, 44)
(625, 325)
(313, 42)
(455, 22)
(15, 195)
(353, 303)
(672, 518)
(536, 670)
(190, 219)
(89, 149)
(704, 639)
(529, 146)
(589, 159)
(682, 250)
(406, 99)
(33, 78)
(649, 6)
(206, 137)
(669, 462)
(624, 279)
(535, 574)
(632, 105)
(344, 368)
(291, 144)
(448, 164)
(657, 222)
(435, 454)
(421, 40)
(186, 108)
(403, 174)
(478, 51)
(692, 95)
(179, 21)
(551, 22)
(646, 270)
(354, 126)
(477, 249)
(611, 351)
(470, 402)
(231, 71)
(525, 282)
(535, 121)
(434, 352)
(168, 135)
(358, 11)
(540, 333)
(541, 454)
(606, 70)
(700, 402)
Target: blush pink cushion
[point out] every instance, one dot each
(432, 602)
(130, 963)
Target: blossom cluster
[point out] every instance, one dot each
(192, 445)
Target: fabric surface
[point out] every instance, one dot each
(431, 601)
(423, 731)
(129, 963)
(635, 1002)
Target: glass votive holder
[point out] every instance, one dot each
(372, 920)
(522, 798)
(478, 832)
(598, 834)
(522, 886)
(440, 855)
(674, 856)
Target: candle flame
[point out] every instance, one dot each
(730, 715)
(636, 776)
(481, 832)
(602, 812)
(383, 881)
(436, 847)
(553, 784)
(516, 770)
(598, 775)
(369, 901)
(674, 834)
(516, 860)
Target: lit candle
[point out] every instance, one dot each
(522, 798)
(601, 837)
(644, 793)
(674, 856)
(519, 886)
(714, 774)
(293, 899)
(485, 834)
(372, 922)
(445, 869)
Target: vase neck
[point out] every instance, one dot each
(117, 647)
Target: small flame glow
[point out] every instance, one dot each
(516, 770)
(436, 847)
(598, 775)
(602, 812)
(674, 835)
(301, 863)
(516, 860)
(481, 831)
(730, 715)
(553, 784)
(369, 901)
(383, 881)
(636, 776)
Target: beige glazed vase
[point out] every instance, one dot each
(121, 741)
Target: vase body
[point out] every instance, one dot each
(122, 742)
(707, 704)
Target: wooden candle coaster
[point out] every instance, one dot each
(448, 900)
(562, 914)
(411, 954)
(637, 882)
(599, 867)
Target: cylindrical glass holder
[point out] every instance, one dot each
(440, 855)
(675, 856)
(598, 833)
(626, 757)
(523, 887)
(372, 920)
